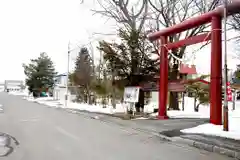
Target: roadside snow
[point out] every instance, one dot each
(97, 108)
(188, 112)
(204, 112)
(40, 100)
(50, 101)
(217, 130)
(18, 93)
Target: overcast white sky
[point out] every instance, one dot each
(29, 27)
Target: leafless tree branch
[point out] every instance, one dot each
(124, 12)
(171, 12)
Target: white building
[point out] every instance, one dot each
(61, 80)
(13, 85)
(59, 91)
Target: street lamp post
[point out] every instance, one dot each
(67, 77)
(225, 109)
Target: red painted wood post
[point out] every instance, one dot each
(163, 84)
(216, 72)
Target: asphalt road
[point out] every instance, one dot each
(46, 133)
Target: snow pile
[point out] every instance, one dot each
(188, 111)
(50, 101)
(41, 100)
(120, 108)
(217, 130)
(18, 93)
(1, 107)
(149, 108)
(204, 112)
(29, 98)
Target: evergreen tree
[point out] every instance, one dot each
(200, 91)
(130, 59)
(83, 74)
(40, 73)
(201, 94)
(237, 73)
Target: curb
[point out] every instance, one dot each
(161, 136)
(208, 147)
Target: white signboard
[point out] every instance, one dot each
(131, 94)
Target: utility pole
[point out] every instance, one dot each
(225, 109)
(68, 59)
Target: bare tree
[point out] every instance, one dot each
(161, 14)
(235, 21)
(131, 15)
(171, 12)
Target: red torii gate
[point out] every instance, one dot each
(214, 17)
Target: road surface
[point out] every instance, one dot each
(46, 133)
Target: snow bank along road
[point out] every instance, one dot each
(48, 133)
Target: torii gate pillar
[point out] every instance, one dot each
(216, 72)
(162, 109)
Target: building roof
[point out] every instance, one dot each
(60, 75)
(13, 81)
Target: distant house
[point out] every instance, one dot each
(59, 91)
(2, 87)
(61, 80)
(13, 85)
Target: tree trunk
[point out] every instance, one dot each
(141, 100)
(173, 105)
(183, 100)
(196, 109)
(195, 104)
(113, 89)
(88, 94)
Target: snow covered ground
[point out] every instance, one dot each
(204, 112)
(19, 93)
(49, 101)
(98, 108)
(188, 112)
(210, 129)
(217, 130)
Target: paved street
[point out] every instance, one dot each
(46, 133)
